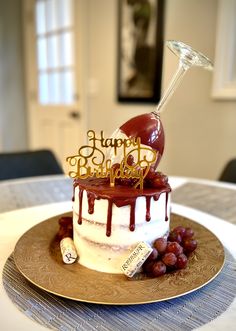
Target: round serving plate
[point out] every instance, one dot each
(37, 256)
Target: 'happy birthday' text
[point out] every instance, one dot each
(91, 161)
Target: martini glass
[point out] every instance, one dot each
(149, 126)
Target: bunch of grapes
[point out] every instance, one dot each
(155, 179)
(171, 253)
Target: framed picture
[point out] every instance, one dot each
(140, 50)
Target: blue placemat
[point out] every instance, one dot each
(217, 201)
(185, 313)
(34, 192)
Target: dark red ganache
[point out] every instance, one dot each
(99, 188)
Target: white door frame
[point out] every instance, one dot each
(30, 57)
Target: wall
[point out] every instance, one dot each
(200, 132)
(12, 108)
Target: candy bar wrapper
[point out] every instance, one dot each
(136, 259)
(68, 250)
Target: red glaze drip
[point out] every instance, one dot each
(148, 203)
(150, 130)
(91, 199)
(81, 191)
(109, 217)
(132, 216)
(99, 188)
(73, 196)
(156, 197)
(167, 196)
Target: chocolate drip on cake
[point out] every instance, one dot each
(167, 196)
(91, 200)
(132, 216)
(148, 203)
(99, 188)
(109, 218)
(81, 191)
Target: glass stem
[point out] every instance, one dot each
(172, 87)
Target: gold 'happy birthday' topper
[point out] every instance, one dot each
(91, 161)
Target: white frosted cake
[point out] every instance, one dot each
(111, 217)
(109, 222)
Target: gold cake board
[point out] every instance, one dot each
(37, 256)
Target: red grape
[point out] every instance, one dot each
(174, 236)
(158, 269)
(153, 255)
(65, 220)
(65, 228)
(115, 166)
(169, 259)
(181, 262)
(180, 230)
(190, 245)
(148, 266)
(174, 247)
(189, 233)
(160, 244)
(130, 160)
(151, 173)
(159, 180)
(63, 233)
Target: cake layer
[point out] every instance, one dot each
(108, 223)
(94, 226)
(101, 257)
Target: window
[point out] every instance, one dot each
(224, 83)
(55, 51)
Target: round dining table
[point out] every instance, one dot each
(23, 306)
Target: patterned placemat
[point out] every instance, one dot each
(220, 202)
(24, 194)
(184, 313)
(217, 201)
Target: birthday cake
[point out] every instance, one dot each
(109, 222)
(118, 205)
(121, 205)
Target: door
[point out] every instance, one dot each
(55, 73)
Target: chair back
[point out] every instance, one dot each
(28, 164)
(229, 172)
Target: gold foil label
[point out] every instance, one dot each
(91, 161)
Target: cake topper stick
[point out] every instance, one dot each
(188, 57)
